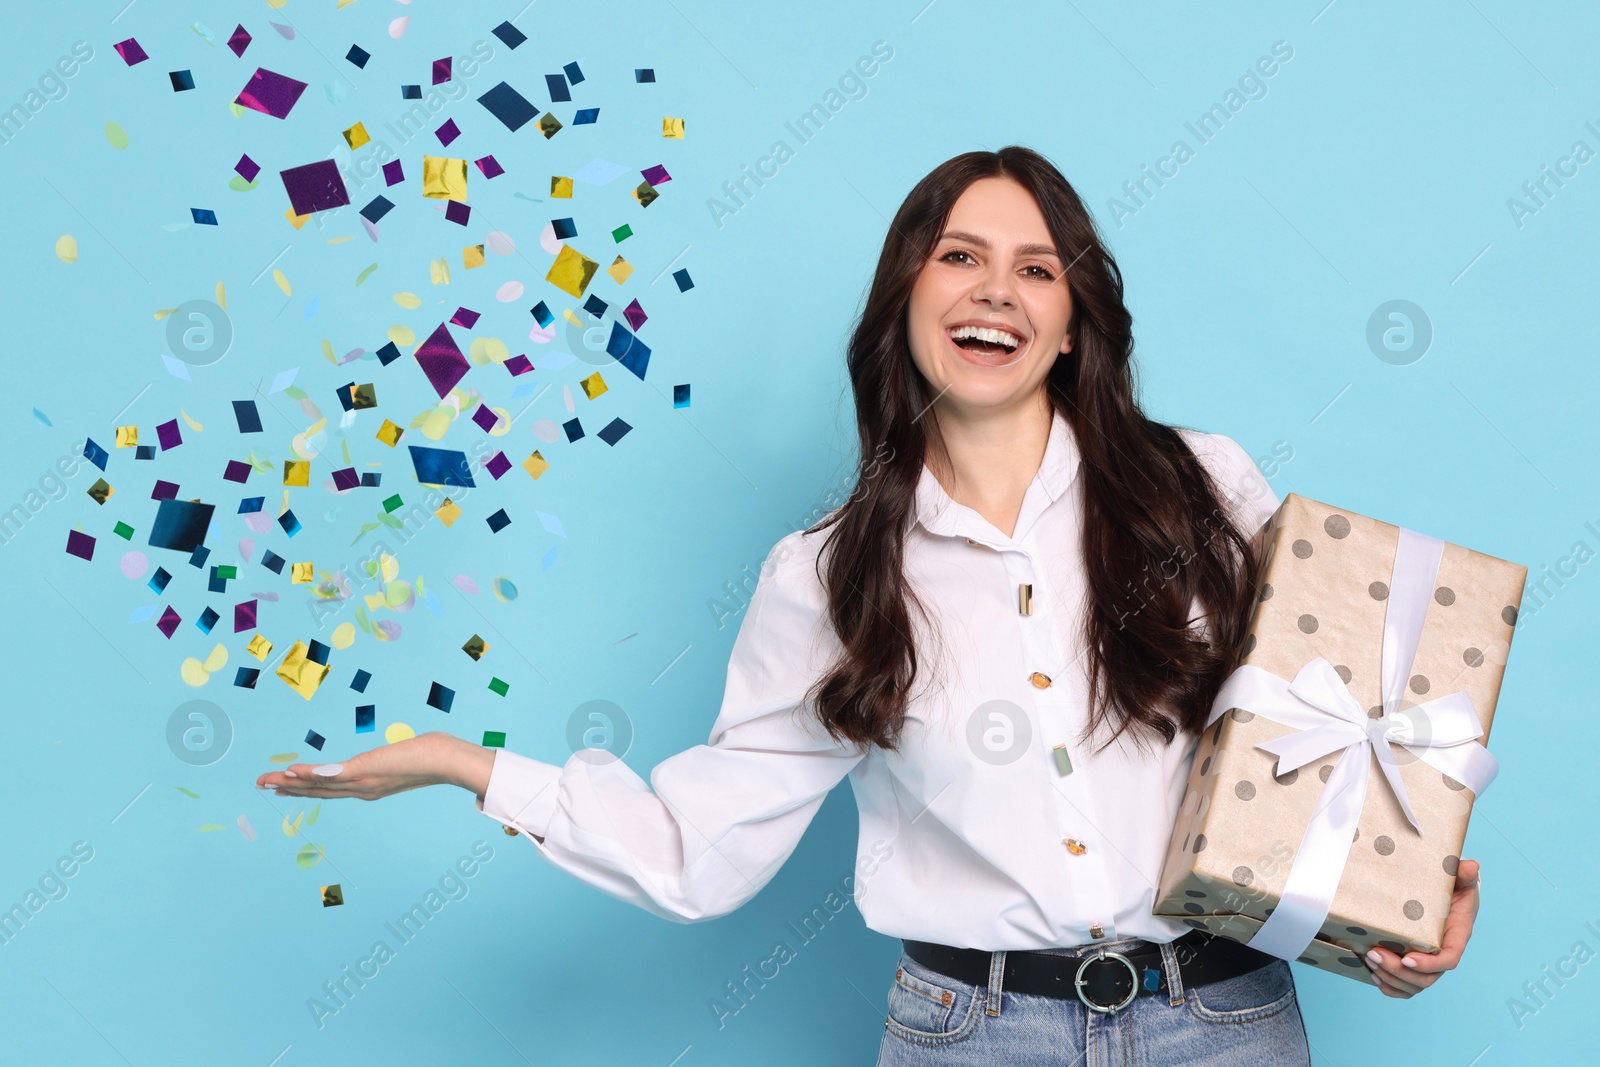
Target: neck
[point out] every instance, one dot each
(993, 456)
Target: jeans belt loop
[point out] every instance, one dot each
(997, 971)
(1169, 964)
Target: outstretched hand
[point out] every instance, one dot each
(434, 758)
(1406, 976)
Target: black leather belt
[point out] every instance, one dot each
(1105, 981)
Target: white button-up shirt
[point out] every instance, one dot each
(970, 834)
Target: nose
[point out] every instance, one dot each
(995, 286)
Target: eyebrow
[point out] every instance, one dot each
(1021, 250)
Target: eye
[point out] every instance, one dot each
(1044, 272)
(953, 252)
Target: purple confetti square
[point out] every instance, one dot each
(485, 417)
(490, 166)
(465, 318)
(442, 361)
(130, 51)
(240, 40)
(164, 490)
(244, 616)
(498, 465)
(80, 545)
(346, 479)
(441, 70)
(270, 93)
(519, 365)
(247, 168)
(656, 175)
(315, 187)
(457, 212)
(448, 132)
(168, 623)
(167, 434)
(238, 471)
(392, 173)
(635, 315)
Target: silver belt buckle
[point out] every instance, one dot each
(1102, 954)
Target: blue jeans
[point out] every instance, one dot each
(1253, 1018)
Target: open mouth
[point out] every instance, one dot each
(985, 340)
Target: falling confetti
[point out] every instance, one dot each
(116, 136)
(66, 251)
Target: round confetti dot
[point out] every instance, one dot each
(1412, 909)
(408, 300)
(67, 248)
(542, 335)
(217, 660)
(487, 350)
(546, 430)
(134, 564)
(1243, 876)
(116, 136)
(1287, 777)
(505, 590)
(1266, 591)
(1308, 624)
(1245, 790)
(509, 292)
(344, 635)
(402, 335)
(501, 244)
(398, 594)
(1473, 657)
(1450, 865)
(548, 239)
(193, 673)
(1383, 845)
(1419, 684)
(398, 731)
(1444, 596)
(1200, 843)
(1241, 715)
(434, 424)
(1378, 591)
(1336, 526)
(1508, 615)
(465, 583)
(397, 27)
(1301, 548)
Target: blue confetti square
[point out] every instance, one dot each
(158, 581)
(628, 350)
(563, 228)
(574, 75)
(315, 740)
(646, 74)
(145, 452)
(290, 524)
(498, 521)
(509, 106)
(218, 583)
(359, 682)
(682, 278)
(248, 417)
(97, 455)
(182, 80)
(198, 559)
(370, 479)
(272, 561)
(251, 504)
(246, 678)
(574, 429)
(411, 92)
(358, 55)
(317, 652)
(615, 430)
(366, 718)
(388, 353)
(509, 35)
(594, 306)
(377, 209)
(541, 315)
(586, 116)
(207, 620)
(556, 85)
(680, 396)
(203, 216)
(440, 697)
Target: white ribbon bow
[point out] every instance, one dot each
(1326, 717)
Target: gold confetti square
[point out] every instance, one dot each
(444, 178)
(646, 194)
(548, 125)
(593, 385)
(297, 472)
(448, 512)
(356, 136)
(296, 221)
(389, 433)
(300, 573)
(620, 270)
(299, 673)
(672, 128)
(535, 465)
(364, 396)
(475, 647)
(571, 271)
(127, 436)
(259, 647)
(560, 188)
(100, 491)
(472, 256)
(332, 895)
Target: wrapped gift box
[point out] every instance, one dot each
(1325, 601)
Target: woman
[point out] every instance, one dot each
(1015, 806)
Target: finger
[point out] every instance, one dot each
(1386, 965)
(1387, 985)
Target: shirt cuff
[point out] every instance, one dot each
(521, 793)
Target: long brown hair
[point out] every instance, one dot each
(1153, 521)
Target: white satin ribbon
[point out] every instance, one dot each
(1326, 717)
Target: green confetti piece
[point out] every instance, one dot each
(312, 817)
(116, 136)
(622, 233)
(366, 273)
(309, 856)
(366, 528)
(390, 520)
(123, 530)
(494, 739)
(498, 686)
(348, 461)
(239, 185)
(208, 827)
(227, 570)
(361, 619)
(294, 392)
(392, 503)
(185, 792)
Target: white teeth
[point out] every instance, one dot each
(994, 337)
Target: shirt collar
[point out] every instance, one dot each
(939, 514)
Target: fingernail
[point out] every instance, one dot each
(328, 770)
(1373, 957)
(1408, 961)
(290, 774)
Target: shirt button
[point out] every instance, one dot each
(970, 541)
(1097, 931)
(1040, 681)
(1074, 846)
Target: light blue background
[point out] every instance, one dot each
(1377, 166)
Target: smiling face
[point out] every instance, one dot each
(990, 311)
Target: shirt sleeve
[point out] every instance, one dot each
(716, 821)
(1244, 489)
